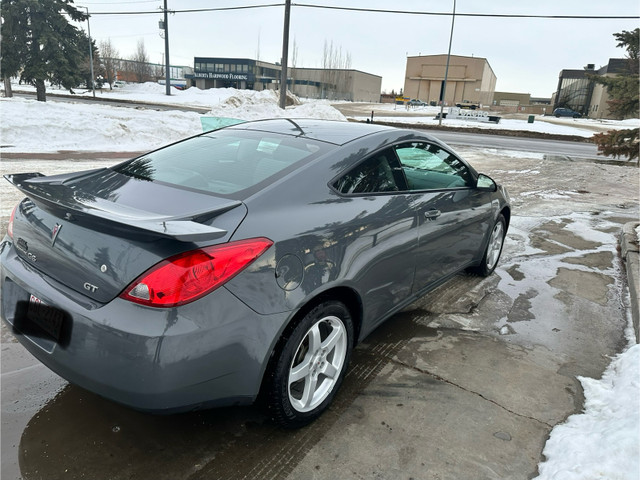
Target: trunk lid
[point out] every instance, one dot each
(97, 231)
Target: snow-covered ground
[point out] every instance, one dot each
(90, 127)
(106, 128)
(584, 127)
(600, 443)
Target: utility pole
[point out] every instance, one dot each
(167, 66)
(446, 70)
(285, 54)
(93, 80)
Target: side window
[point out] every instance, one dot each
(429, 167)
(371, 176)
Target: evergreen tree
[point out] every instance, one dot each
(44, 44)
(13, 40)
(624, 103)
(623, 88)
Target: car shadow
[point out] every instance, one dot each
(81, 435)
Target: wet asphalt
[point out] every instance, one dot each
(466, 383)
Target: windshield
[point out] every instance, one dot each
(224, 162)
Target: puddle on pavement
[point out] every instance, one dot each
(521, 310)
(588, 285)
(80, 435)
(599, 260)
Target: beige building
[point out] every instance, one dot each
(511, 99)
(334, 84)
(469, 80)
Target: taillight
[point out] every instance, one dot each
(188, 276)
(10, 226)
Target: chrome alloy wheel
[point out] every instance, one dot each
(317, 364)
(495, 245)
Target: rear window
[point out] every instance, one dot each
(224, 162)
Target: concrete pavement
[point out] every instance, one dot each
(464, 384)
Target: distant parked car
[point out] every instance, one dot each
(566, 112)
(417, 103)
(119, 84)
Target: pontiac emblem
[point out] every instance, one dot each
(54, 233)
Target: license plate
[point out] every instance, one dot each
(48, 318)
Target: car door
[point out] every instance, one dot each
(453, 216)
(379, 246)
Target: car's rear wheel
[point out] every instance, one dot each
(494, 248)
(311, 365)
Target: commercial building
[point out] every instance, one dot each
(335, 84)
(511, 99)
(469, 79)
(578, 90)
(250, 74)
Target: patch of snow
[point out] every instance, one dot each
(603, 442)
(250, 105)
(575, 128)
(100, 127)
(89, 127)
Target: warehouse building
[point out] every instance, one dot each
(469, 79)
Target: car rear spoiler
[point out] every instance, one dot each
(51, 193)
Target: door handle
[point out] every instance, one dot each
(432, 214)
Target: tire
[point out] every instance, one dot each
(493, 249)
(311, 365)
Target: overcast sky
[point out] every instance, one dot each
(526, 55)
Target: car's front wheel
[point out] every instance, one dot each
(311, 365)
(494, 248)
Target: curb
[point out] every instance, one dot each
(630, 253)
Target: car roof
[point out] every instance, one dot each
(329, 131)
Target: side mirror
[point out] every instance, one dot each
(486, 183)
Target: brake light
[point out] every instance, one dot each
(188, 276)
(10, 226)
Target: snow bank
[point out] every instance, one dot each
(250, 105)
(31, 126)
(603, 443)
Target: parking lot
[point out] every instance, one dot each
(466, 383)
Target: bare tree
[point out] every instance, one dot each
(109, 54)
(337, 78)
(294, 64)
(140, 63)
(258, 47)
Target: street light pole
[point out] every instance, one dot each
(285, 55)
(446, 70)
(167, 67)
(93, 82)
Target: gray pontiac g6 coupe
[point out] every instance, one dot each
(241, 263)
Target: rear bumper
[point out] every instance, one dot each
(211, 352)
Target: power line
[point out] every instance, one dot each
(377, 10)
(490, 15)
(194, 10)
(89, 3)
